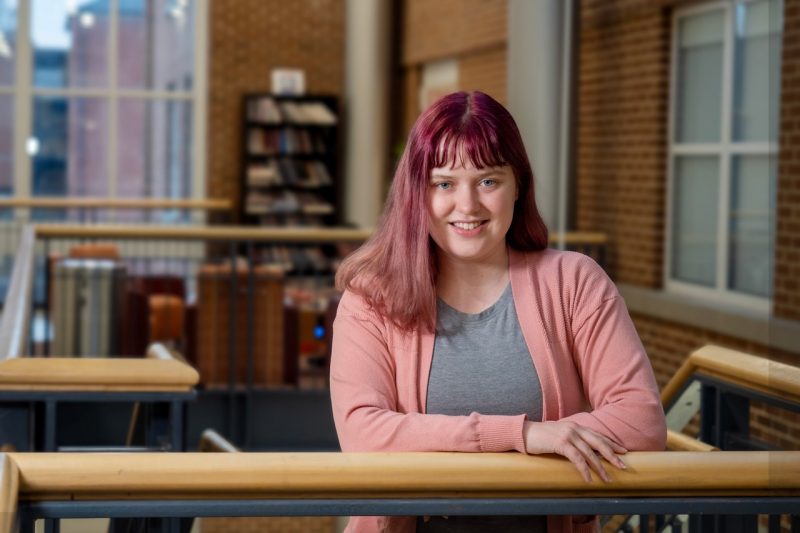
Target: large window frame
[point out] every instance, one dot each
(725, 150)
(24, 92)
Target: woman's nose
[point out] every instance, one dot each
(467, 200)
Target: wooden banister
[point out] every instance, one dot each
(679, 442)
(16, 309)
(9, 485)
(264, 234)
(384, 475)
(207, 204)
(749, 371)
(159, 371)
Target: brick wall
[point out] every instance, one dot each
(668, 344)
(472, 31)
(248, 38)
(621, 135)
(623, 93)
(449, 28)
(786, 298)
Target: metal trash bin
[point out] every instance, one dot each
(87, 307)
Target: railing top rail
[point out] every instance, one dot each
(160, 371)
(227, 233)
(206, 204)
(16, 310)
(271, 234)
(376, 475)
(9, 490)
(760, 374)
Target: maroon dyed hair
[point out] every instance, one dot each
(396, 269)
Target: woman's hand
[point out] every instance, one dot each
(576, 443)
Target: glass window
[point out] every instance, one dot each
(700, 77)
(695, 219)
(724, 148)
(8, 35)
(159, 44)
(6, 144)
(70, 43)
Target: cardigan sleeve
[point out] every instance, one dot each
(617, 378)
(365, 400)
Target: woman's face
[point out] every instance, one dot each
(470, 210)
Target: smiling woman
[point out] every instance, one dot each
(459, 331)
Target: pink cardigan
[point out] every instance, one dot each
(591, 364)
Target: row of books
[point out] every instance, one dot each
(269, 111)
(285, 202)
(284, 141)
(281, 172)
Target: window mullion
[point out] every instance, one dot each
(199, 104)
(113, 117)
(23, 103)
(723, 228)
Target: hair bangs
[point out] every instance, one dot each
(473, 144)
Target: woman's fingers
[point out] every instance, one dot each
(591, 458)
(577, 458)
(607, 448)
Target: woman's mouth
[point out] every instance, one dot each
(468, 228)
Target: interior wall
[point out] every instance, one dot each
(247, 39)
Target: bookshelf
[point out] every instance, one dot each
(290, 160)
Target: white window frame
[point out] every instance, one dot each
(24, 91)
(725, 149)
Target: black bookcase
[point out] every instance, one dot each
(290, 160)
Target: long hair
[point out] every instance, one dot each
(395, 271)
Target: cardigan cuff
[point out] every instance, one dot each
(501, 433)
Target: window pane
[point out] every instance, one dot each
(70, 43)
(6, 145)
(158, 50)
(699, 81)
(753, 183)
(757, 57)
(155, 140)
(8, 36)
(694, 219)
(68, 146)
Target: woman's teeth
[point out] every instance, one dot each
(467, 225)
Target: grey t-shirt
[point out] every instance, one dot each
(482, 364)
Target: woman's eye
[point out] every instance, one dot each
(488, 182)
(442, 185)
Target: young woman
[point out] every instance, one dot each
(459, 330)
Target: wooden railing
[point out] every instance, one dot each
(748, 371)
(207, 204)
(383, 475)
(9, 489)
(364, 483)
(241, 233)
(160, 370)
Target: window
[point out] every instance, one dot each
(102, 98)
(723, 151)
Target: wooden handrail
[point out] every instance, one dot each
(16, 310)
(9, 490)
(44, 202)
(679, 442)
(159, 371)
(264, 234)
(749, 371)
(270, 234)
(384, 475)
